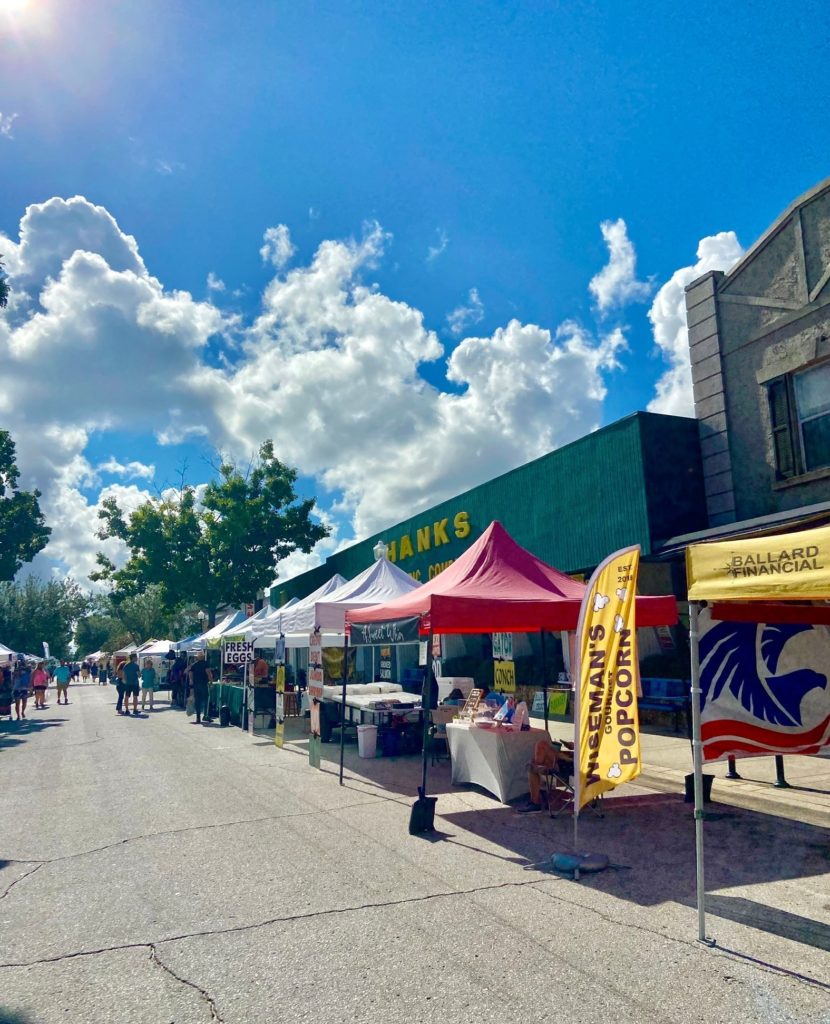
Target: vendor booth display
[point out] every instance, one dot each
(290, 618)
(494, 758)
(212, 637)
(496, 586)
(760, 651)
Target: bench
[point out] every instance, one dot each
(671, 695)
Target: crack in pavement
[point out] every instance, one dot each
(193, 828)
(286, 919)
(18, 880)
(413, 900)
(211, 1002)
(719, 951)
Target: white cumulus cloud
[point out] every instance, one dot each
(135, 470)
(278, 247)
(668, 321)
(616, 284)
(331, 369)
(468, 315)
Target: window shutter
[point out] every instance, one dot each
(782, 433)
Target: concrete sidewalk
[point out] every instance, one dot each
(667, 759)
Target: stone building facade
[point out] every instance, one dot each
(759, 339)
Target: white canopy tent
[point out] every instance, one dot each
(285, 619)
(157, 649)
(253, 621)
(125, 652)
(382, 581)
(209, 638)
(6, 652)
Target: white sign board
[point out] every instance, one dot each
(503, 646)
(237, 652)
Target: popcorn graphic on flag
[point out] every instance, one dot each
(614, 772)
(619, 623)
(621, 592)
(600, 601)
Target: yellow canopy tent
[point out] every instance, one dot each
(760, 579)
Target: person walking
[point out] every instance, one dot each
(62, 676)
(106, 672)
(6, 693)
(40, 682)
(84, 671)
(200, 678)
(131, 684)
(178, 681)
(20, 688)
(119, 687)
(93, 671)
(148, 683)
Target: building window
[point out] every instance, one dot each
(799, 407)
(812, 400)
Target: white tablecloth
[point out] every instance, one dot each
(494, 759)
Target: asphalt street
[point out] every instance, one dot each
(153, 870)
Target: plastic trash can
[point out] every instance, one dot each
(367, 740)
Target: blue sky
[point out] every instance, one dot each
(488, 140)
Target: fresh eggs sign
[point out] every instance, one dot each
(237, 652)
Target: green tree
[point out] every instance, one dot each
(23, 531)
(34, 610)
(217, 551)
(4, 286)
(112, 623)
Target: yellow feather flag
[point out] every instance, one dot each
(607, 723)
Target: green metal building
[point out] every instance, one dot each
(638, 480)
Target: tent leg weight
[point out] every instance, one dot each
(689, 797)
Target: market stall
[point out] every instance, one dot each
(495, 587)
(349, 706)
(760, 649)
(495, 759)
(291, 618)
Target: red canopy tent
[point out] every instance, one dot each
(497, 586)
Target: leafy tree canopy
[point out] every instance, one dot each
(23, 531)
(32, 611)
(111, 623)
(217, 551)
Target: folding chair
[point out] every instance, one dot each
(557, 782)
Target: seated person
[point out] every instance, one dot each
(546, 756)
(261, 672)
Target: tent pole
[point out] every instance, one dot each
(343, 704)
(697, 755)
(577, 756)
(544, 678)
(426, 710)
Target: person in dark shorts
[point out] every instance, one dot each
(21, 679)
(131, 684)
(200, 677)
(119, 687)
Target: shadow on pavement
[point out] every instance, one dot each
(14, 732)
(770, 919)
(653, 836)
(14, 1017)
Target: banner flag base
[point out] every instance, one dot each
(571, 862)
